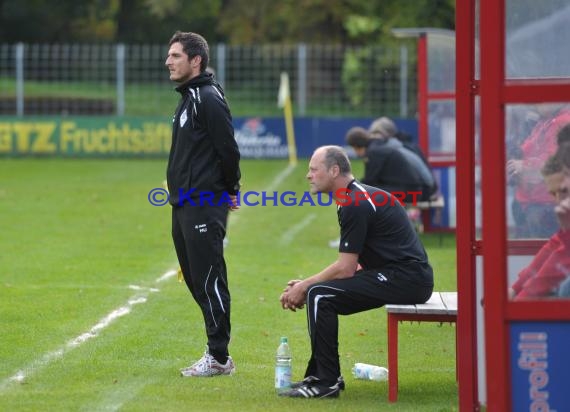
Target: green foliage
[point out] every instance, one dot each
(353, 75)
(79, 235)
(358, 26)
(229, 21)
(367, 66)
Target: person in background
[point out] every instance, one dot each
(562, 210)
(384, 130)
(533, 207)
(551, 265)
(563, 137)
(394, 268)
(204, 158)
(409, 144)
(385, 167)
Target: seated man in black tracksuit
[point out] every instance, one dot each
(386, 167)
(380, 260)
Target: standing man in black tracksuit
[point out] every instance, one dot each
(203, 180)
(374, 233)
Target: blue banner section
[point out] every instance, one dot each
(266, 137)
(540, 361)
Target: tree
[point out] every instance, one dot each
(329, 21)
(39, 20)
(151, 21)
(285, 21)
(230, 21)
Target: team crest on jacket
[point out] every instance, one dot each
(183, 118)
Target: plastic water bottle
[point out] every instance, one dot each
(283, 366)
(370, 372)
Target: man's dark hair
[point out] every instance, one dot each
(564, 135)
(335, 155)
(358, 137)
(193, 45)
(551, 166)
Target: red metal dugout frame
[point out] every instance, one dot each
(426, 96)
(495, 92)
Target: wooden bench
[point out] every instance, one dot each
(437, 203)
(441, 307)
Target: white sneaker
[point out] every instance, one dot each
(209, 366)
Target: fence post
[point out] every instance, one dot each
(301, 78)
(403, 81)
(120, 55)
(20, 79)
(221, 60)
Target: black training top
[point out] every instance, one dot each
(204, 156)
(388, 169)
(374, 225)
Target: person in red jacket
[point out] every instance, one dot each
(563, 208)
(551, 265)
(533, 206)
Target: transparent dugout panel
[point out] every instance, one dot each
(441, 61)
(537, 184)
(537, 38)
(441, 127)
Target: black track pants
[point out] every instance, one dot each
(365, 290)
(198, 233)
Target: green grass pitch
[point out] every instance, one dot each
(87, 326)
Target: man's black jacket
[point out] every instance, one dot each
(204, 156)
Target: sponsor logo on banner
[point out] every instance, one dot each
(256, 141)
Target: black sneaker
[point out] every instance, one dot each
(313, 379)
(313, 390)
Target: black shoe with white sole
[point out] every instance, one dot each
(313, 390)
(312, 380)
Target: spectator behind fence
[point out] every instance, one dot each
(385, 167)
(533, 207)
(545, 275)
(385, 132)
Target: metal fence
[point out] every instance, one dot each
(326, 80)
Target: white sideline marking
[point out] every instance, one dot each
(114, 399)
(166, 276)
(49, 357)
(290, 234)
(280, 178)
(137, 287)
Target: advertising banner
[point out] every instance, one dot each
(540, 366)
(84, 137)
(150, 137)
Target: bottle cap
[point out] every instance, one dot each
(283, 339)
